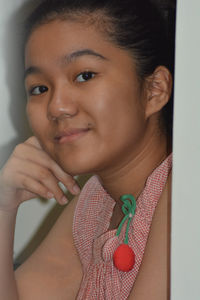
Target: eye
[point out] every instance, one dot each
(85, 76)
(38, 90)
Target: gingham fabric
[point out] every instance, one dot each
(96, 244)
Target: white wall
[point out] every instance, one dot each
(186, 176)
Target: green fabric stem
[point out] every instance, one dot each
(128, 208)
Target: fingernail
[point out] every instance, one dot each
(76, 189)
(50, 195)
(64, 200)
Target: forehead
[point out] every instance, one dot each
(59, 38)
(57, 34)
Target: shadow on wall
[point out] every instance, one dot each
(13, 57)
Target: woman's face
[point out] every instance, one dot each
(85, 102)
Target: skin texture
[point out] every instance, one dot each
(90, 114)
(97, 104)
(152, 281)
(51, 265)
(113, 96)
(54, 270)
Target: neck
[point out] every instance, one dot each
(130, 177)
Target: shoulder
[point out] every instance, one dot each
(152, 281)
(53, 270)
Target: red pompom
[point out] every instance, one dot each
(124, 258)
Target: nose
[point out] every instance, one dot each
(62, 104)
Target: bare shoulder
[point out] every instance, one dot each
(53, 270)
(152, 281)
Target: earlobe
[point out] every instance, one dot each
(159, 87)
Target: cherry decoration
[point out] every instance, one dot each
(124, 256)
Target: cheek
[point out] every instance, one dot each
(117, 109)
(36, 118)
(30, 115)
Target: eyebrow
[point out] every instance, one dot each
(72, 56)
(66, 59)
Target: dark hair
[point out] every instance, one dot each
(135, 25)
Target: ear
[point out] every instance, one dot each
(159, 87)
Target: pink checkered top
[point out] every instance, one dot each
(96, 244)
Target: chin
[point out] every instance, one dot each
(78, 168)
(79, 161)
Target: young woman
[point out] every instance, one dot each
(98, 89)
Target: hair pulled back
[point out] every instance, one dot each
(138, 26)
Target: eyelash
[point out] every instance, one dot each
(45, 89)
(86, 73)
(31, 91)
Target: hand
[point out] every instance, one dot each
(30, 172)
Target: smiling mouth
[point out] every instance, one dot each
(70, 135)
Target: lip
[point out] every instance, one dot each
(70, 135)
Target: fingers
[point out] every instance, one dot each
(35, 188)
(33, 141)
(31, 172)
(32, 151)
(40, 181)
